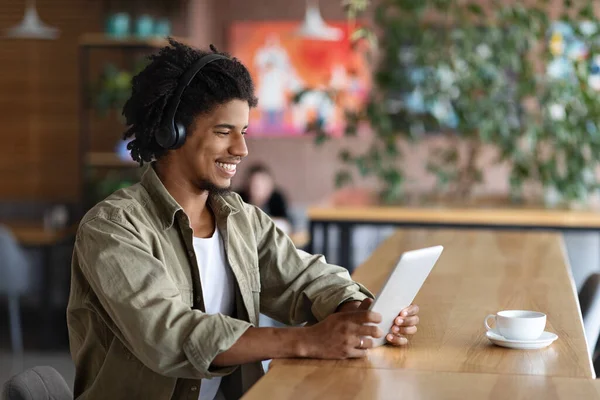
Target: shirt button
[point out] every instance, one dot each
(198, 299)
(194, 388)
(191, 253)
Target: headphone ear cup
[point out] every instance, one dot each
(179, 138)
(164, 138)
(173, 135)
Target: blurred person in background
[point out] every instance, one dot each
(169, 275)
(259, 189)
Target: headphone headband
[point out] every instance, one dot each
(173, 135)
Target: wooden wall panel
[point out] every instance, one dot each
(39, 95)
(39, 101)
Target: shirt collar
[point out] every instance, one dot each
(168, 207)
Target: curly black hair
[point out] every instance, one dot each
(216, 84)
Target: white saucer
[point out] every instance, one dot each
(544, 340)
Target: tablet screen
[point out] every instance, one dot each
(402, 286)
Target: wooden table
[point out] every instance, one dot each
(314, 382)
(33, 235)
(480, 272)
(491, 215)
(300, 239)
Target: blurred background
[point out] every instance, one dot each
(398, 103)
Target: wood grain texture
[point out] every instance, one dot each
(39, 102)
(107, 159)
(300, 238)
(102, 40)
(317, 382)
(480, 272)
(34, 234)
(495, 216)
(39, 86)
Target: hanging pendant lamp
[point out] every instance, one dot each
(314, 27)
(32, 26)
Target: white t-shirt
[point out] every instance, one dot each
(217, 289)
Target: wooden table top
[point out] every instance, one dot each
(480, 272)
(318, 382)
(300, 238)
(31, 233)
(455, 215)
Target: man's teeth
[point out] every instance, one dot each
(228, 167)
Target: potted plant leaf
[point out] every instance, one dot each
(471, 79)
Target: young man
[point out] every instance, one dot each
(169, 275)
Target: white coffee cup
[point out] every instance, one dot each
(518, 324)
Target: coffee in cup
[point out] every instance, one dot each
(518, 324)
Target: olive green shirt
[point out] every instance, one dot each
(135, 316)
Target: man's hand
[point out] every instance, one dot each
(405, 324)
(339, 336)
(342, 334)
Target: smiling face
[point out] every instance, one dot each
(214, 146)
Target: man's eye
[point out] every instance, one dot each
(223, 133)
(244, 132)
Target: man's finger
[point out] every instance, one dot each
(408, 321)
(357, 353)
(365, 317)
(367, 343)
(405, 330)
(369, 330)
(366, 303)
(396, 340)
(413, 309)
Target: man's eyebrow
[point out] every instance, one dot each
(228, 126)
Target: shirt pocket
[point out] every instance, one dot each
(187, 295)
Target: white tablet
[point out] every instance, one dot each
(402, 286)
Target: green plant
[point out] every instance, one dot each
(476, 77)
(100, 184)
(113, 87)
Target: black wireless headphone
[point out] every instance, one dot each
(172, 135)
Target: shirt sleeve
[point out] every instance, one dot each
(298, 287)
(145, 306)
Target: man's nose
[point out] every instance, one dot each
(238, 146)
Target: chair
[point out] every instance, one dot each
(37, 383)
(14, 281)
(589, 301)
